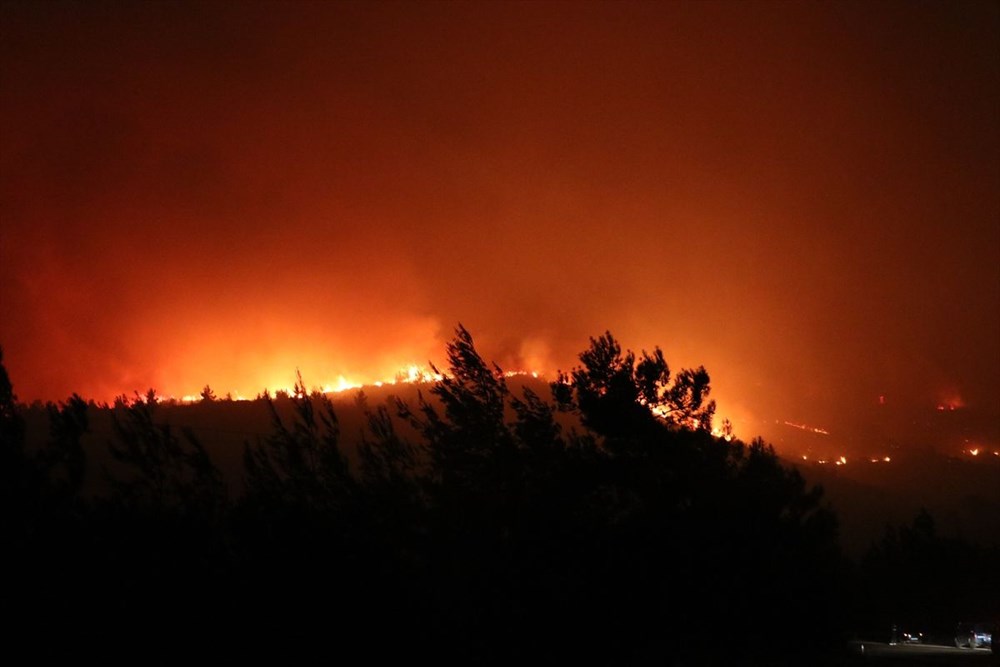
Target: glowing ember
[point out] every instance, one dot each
(950, 400)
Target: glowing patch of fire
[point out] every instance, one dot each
(412, 374)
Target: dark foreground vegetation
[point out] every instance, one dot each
(602, 525)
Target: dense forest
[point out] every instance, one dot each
(602, 524)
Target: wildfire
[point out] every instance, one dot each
(411, 374)
(842, 460)
(723, 433)
(950, 400)
(511, 374)
(414, 374)
(806, 427)
(343, 384)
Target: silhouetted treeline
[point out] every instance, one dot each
(920, 581)
(605, 525)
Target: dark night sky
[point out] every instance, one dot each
(803, 197)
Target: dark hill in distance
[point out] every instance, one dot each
(962, 495)
(224, 427)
